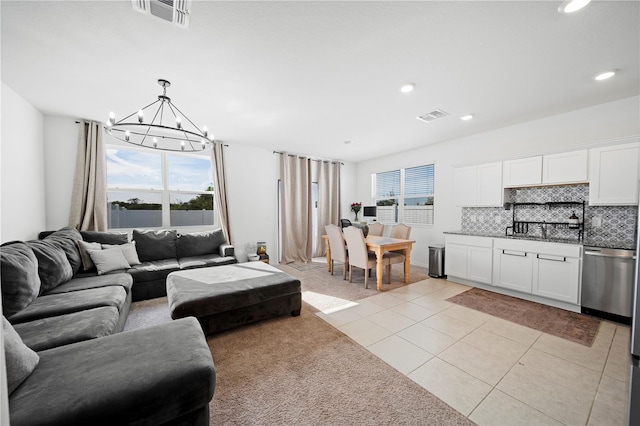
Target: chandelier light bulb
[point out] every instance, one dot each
(204, 145)
(178, 123)
(140, 116)
(182, 145)
(112, 117)
(127, 134)
(155, 142)
(204, 131)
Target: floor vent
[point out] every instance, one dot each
(433, 115)
(174, 11)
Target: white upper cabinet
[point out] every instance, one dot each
(566, 167)
(613, 175)
(479, 185)
(522, 172)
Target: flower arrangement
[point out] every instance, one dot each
(355, 207)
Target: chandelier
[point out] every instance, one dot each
(169, 129)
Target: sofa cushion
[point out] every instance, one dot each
(20, 279)
(155, 244)
(66, 238)
(104, 237)
(128, 250)
(20, 360)
(109, 260)
(83, 249)
(47, 333)
(199, 243)
(66, 303)
(143, 377)
(154, 270)
(123, 280)
(53, 266)
(206, 260)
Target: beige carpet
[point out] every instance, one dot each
(301, 370)
(579, 328)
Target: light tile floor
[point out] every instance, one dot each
(494, 371)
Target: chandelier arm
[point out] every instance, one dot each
(135, 113)
(158, 126)
(172, 105)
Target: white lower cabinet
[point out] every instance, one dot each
(468, 257)
(512, 269)
(556, 277)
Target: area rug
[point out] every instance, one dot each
(301, 266)
(568, 325)
(302, 371)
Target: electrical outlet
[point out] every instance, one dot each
(596, 222)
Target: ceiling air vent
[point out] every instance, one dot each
(433, 115)
(174, 11)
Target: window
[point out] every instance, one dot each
(158, 189)
(405, 195)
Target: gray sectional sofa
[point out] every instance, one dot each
(66, 297)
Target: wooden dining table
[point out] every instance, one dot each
(380, 245)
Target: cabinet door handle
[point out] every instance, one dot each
(564, 259)
(519, 254)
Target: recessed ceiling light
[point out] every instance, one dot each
(604, 75)
(408, 87)
(466, 117)
(570, 6)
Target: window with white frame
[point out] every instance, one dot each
(149, 189)
(405, 195)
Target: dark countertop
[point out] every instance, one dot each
(610, 244)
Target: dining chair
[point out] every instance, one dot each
(358, 254)
(344, 223)
(376, 229)
(401, 231)
(337, 247)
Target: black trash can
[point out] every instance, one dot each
(436, 261)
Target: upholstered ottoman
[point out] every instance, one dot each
(224, 297)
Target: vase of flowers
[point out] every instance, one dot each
(355, 207)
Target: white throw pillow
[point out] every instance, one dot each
(128, 250)
(109, 260)
(83, 248)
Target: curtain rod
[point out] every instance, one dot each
(312, 159)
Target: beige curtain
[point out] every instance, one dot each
(220, 188)
(89, 196)
(328, 202)
(295, 208)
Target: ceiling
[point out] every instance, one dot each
(305, 77)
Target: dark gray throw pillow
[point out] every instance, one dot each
(66, 238)
(155, 245)
(104, 237)
(21, 360)
(53, 266)
(20, 279)
(199, 243)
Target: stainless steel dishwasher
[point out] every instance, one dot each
(607, 283)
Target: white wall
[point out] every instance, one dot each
(22, 197)
(599, 125)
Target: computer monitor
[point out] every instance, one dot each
(369, 212)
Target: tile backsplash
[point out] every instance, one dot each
(618, 223)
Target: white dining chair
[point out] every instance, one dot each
(376, 229)
(358, 254)
(337, 247)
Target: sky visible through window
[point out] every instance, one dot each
(130, 169)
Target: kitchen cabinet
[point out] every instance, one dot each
(550, 270)
(468, 257)
(556, 277)
(613, 175)
(522, 172)
(479, 186)
(566, 167)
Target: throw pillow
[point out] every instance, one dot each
(66, 238)
(53, 266)
(83, 248)
(20, 359)
(20, 279)
(128, 250)
(108, 260)
(199, 243)
(155, 245)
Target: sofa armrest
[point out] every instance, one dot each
(227, 250)
(144, 377)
